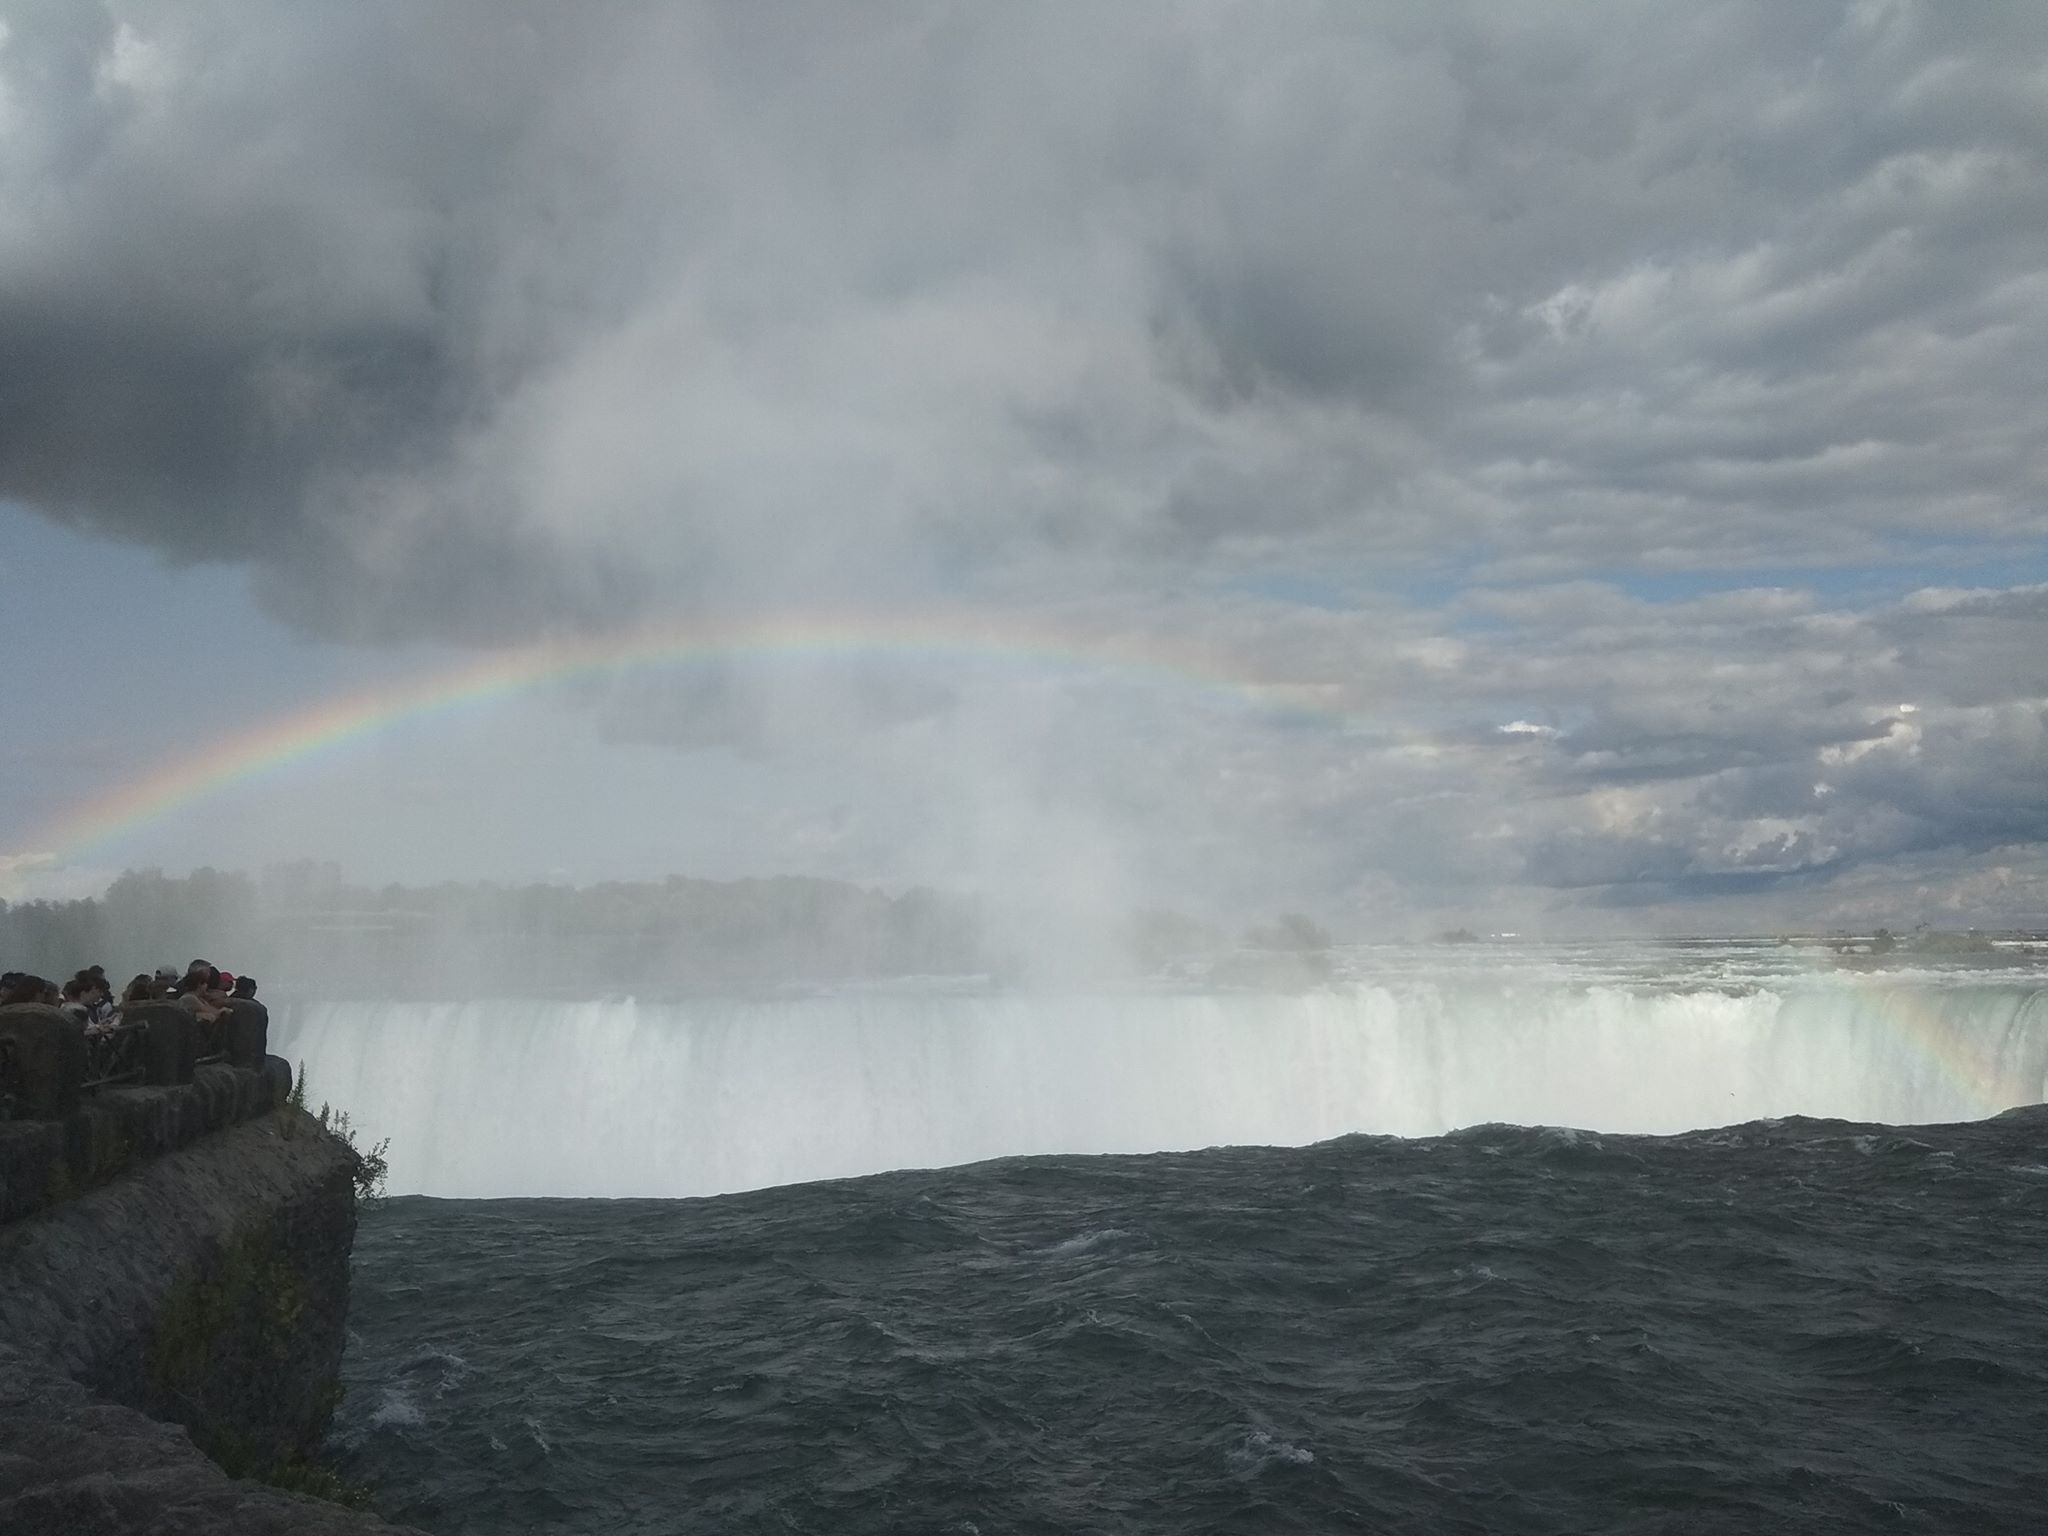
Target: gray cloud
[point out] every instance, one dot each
(480, 321)
(1744, 740)
(427, 310)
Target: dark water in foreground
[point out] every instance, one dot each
(1799, 1325)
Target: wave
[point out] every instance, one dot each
(618, 1098)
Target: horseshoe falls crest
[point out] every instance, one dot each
(618, 1097)
(1643, 1247)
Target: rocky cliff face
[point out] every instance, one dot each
(75, 1465)
(206, 1289)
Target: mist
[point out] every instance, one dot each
(304, 930)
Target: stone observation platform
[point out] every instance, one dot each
(76, 1110)
(174, 1250)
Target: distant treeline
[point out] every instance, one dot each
(303, 927)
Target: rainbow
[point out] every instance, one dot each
(1975, 1056)
(1973, 1061)
(960, 637)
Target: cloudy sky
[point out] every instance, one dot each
(1577, 466)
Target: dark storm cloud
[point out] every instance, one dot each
(469, 317)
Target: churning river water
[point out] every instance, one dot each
(1760, 1320)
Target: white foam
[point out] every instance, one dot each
(1259, 1450)
(397, 1410)
(1085, 1242)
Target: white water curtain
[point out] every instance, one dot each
(515, 1097)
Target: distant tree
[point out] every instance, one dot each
(1294, 931)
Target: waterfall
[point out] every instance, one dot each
(615, 1098)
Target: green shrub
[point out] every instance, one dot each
(372, 1165)
(370, 1162)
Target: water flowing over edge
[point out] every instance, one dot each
(617, 1097)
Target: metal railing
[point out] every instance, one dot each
(213, 1039)
(43, 1068)
(115, 1056)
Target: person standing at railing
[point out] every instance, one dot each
(86, 999)
(198, 995)
(94, 995)
(105, 1011)
(20, 987)
(76, 1005)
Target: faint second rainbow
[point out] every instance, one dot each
(300, 734)
(1972, 1053)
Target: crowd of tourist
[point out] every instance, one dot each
(203, 989)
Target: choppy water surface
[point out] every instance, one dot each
(1795, 1325)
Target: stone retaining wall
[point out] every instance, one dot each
(173, 1287)
(59, 1139)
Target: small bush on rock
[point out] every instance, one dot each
(370, 1163)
